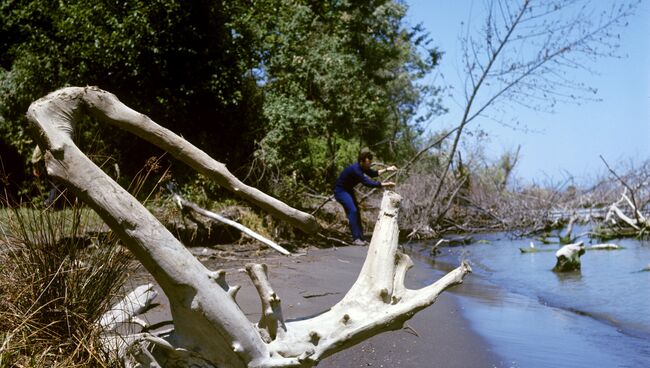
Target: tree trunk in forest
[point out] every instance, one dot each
(209, 327)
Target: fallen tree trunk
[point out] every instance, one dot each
(618, 224)
(183, 203)
(639, 221)
(209, 327)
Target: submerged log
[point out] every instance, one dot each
(568, 257)
(605, 246)
(535, 250)
(646, 269)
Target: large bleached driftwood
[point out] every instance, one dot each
(210, 329)
(57, 112)
(135, 303)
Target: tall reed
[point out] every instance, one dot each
(60, 272)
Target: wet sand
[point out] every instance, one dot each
(438, 336)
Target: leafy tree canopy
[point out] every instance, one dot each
(338, 75)
(178, 62)
(298, 85)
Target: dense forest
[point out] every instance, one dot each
(278, 90)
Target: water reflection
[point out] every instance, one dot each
(569, 277)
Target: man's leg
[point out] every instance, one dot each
(352, 211)
(358, 222)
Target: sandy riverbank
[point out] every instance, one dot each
(309, 284)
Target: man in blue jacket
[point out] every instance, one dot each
(358, 172)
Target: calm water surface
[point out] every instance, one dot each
(533, 317)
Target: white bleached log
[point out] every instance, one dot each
(130, 348)
(638, 213)
(210, 329)
(378, 300)
(605, 246)
(56, 114)
(133, 304)
(182, 202)
(614, 210)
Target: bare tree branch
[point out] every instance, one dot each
(524, 54)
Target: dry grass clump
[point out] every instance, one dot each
(58, 278)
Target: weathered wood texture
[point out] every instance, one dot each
(209, 327)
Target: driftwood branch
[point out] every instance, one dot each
(639, 222)
(210, 329)
(131, 349)
(271, 321)
(135, 303)
(183, 203)
(632, 202)
(219, 277)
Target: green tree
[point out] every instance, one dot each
(302, 85)
(179, 62)
(338, 75)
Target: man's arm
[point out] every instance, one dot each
(364, 177)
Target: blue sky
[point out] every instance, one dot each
(568, 142)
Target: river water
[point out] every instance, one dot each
(533, 317)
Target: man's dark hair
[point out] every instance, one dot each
(364, 154)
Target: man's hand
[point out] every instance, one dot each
(387, 184)
(388, 169)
